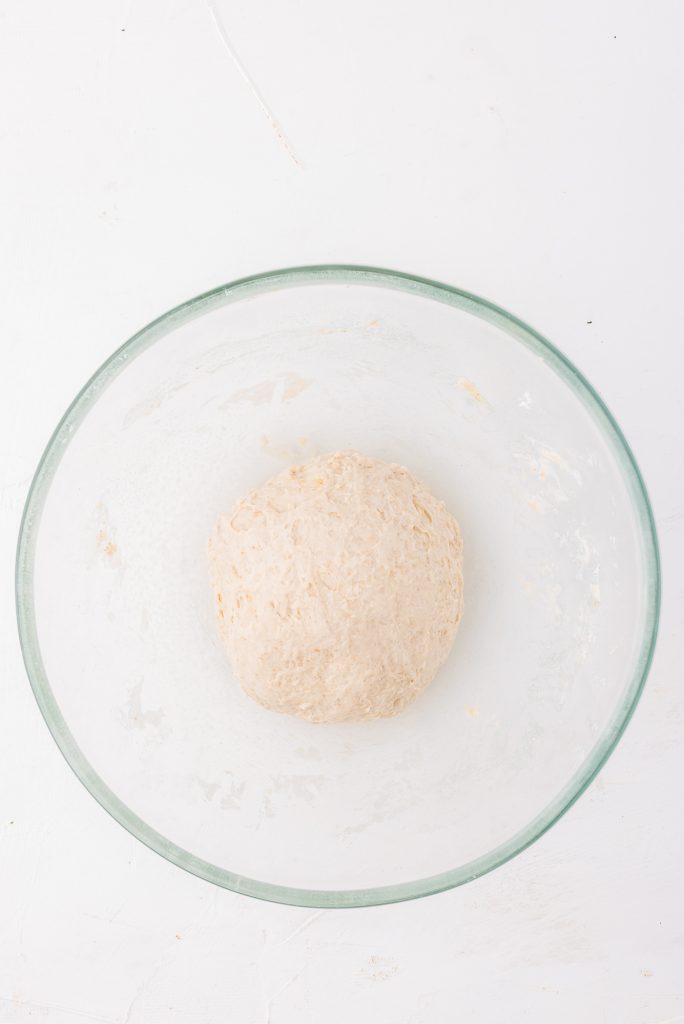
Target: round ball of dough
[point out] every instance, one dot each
(338, 588)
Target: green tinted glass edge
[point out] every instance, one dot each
(291, 277)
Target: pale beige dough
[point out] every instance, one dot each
(338, 588)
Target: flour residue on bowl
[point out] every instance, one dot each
(297, 451)
(136, 717)
(106, 548)
(470, 389)
(285, 387)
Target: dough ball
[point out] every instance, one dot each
(338, 588)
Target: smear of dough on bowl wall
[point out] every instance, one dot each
(338, 587)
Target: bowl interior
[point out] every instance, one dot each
(116, 611)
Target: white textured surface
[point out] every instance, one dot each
(526, 152)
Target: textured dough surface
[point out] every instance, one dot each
(338, 588)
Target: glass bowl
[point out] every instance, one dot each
(115, 608)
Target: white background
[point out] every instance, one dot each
(530, 152)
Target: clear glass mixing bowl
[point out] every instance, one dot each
(115, 610)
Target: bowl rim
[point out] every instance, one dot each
(234, 291)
